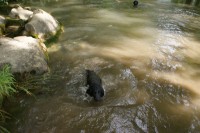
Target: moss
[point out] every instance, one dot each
(2, 29)
(14, 27)
(55, 37)
(12, 21)
(1, 32)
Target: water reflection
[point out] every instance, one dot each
(147, 58)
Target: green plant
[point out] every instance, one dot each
(6, 82)
(8, 86)
(6, 89)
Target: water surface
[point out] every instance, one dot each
(147, 57)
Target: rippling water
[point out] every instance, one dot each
(147, 57)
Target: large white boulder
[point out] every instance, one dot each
(20, 13)
(42, 25)
(24, 54)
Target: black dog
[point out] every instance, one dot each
(135, 3)
(95, 85)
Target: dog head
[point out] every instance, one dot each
(135, 3)
(96, 91)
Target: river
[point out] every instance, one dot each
(147, 57)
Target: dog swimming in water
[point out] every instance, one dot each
(95, 88)
(135, 3)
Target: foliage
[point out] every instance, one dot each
(6, 89)
(8, 86)
(4, 2)
(6, 82)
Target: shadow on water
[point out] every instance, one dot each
(143, 56)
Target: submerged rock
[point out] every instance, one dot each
(20, 13)
(42, 25)
(24, 54)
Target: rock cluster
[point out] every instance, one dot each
(24, 54)
(18, 48)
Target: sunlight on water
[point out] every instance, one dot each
(147, 57)
(117, 17)
(188, 75)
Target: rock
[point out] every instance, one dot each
(20, 13)
(32, 22)
(12, 31)
(2, 25)
(14, 27)
(24, 54)
(42, 25)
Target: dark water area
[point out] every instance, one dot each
(147, 57)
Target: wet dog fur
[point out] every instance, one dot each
(95, 88)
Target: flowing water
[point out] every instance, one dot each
(147, 57)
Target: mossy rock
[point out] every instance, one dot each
(42, 25)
